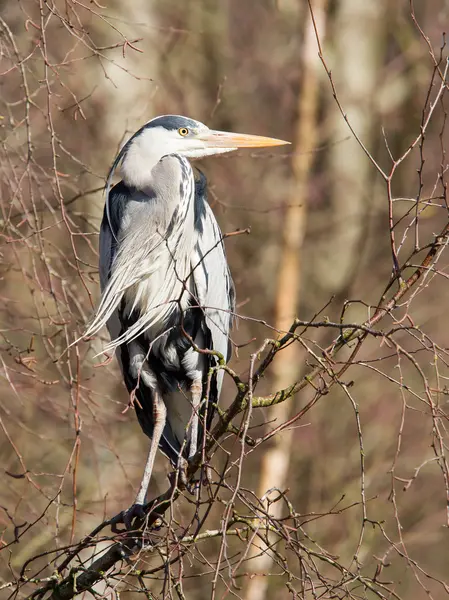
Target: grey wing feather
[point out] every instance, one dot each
(109, 228)
(144, 249)
(108, 247)
(213, 283)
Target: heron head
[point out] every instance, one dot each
(174, 134)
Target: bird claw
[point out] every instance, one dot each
(135, 511)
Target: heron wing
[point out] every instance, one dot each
(214, 287)
(108, 248)
(108, 245)
(146, 247)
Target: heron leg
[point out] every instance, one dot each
(196, 389)
(136, 510)
(140, 371)
(159, 419)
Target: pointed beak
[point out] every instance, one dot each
(224, 139)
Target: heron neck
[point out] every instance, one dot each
(137, 170)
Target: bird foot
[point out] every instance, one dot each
(127, 517)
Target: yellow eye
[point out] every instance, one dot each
(183, 131)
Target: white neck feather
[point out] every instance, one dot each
(139, 161)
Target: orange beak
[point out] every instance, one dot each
(224, 139)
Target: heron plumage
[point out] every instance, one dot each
(152, 253)
(165, 262)
(167, 293)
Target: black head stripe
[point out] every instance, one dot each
(171, 122)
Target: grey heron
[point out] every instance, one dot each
(167, 293)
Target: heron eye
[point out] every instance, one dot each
(183, 131)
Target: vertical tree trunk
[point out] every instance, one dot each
(357, 57)
(276, 460)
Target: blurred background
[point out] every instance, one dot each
(77, 79)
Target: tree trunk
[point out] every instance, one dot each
(276, 460)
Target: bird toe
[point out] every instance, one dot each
(127, 518)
